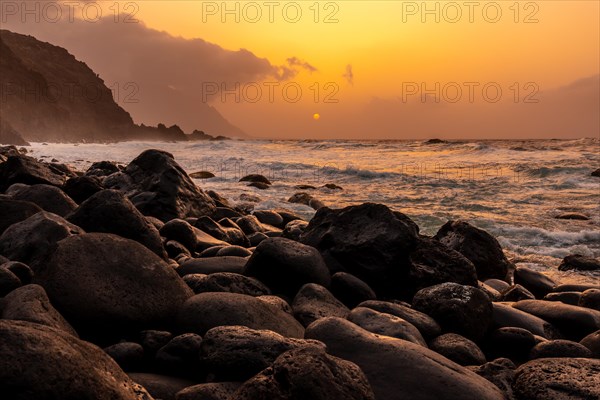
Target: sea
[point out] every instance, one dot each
(514, 189)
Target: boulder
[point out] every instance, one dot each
(590, 299)
(208, 310)
(592, 342)
(181, 355)
(81, 188)
(497, 284)
(107, 284)
(102, 168)
(191, 237)
(22, 271)
(294, 229)
(516, 293)
(27, 170)
(398, 369)
(428, 327)
(500, 372)
(161, 386)
(314, 301)
(152, 340)
(202, 175)
(506, 316)
(33, 240)
(162, 189)
(350, 290)
(573, 215)
(228, 231)
(477, 245)
(579, 262)
(208, 391)
(259, 185)
(255, 178)
(386, 325)
(457, 308)
(270, 218)
(238, 353)
(30, 303)
(510, 342)
(536, 282)
(572, 298)
(369, 241)
(237, 251)
(13, 211)
(212, 265)
(128, 355)
(285, 265)
(109, 211)
(557, 379)
(302, 374)
(574, 322)
(49, 198)
(8, 282)
(249, 224)
(39, 362)
(458, 349)
(559, 349)
(226, 282)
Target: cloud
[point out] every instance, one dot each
(349, 75)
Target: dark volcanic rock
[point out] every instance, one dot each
(255, 178)
(270, 218)
(314, 301)
(386, 325)
(433, 262)
(237, 251)
(536, 282)
(8, 282)
(102, 282)
(558, 379)
(192, 238)
(209, 391)
(22, 271)
(579, 262)
(592, 342)
(228, 232)
(575, 322)
(162, 189)
(30, 303)
(564, 297)
(460, 309)
(458, 349)
(500, 372)
(23, 169)
(153, 340)
(81, 188)
(596, 173)
(350, 290)
(510, 342)
(428, 327)
(259, 185)
(369, 241)
(477, 245)
(212, 265)
(572, 215)
(128, 355)
(559, 348)
(516, 293)
(590, 299)
(226, 282)
(49, 198)
(238, 353)
(181, 355)
(39, 362)
(208, 310)
(285, 265)
(294, 229)
(507, 316)
(161, 387)
(302, 374)
(13, 211)
(102, 168)
(33, 240)
(398, 369)
(109, 211)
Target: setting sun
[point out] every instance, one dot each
(316, 116)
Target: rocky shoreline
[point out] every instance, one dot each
(131, 282)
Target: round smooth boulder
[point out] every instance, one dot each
(285, 265)
(386, 325)
(350, 290)
(457, 308)
(39, 362)
(314, 301)
(579, 262)
(559, 348)
(50, 198)
(428, 327)
(226, 282)
(592, 342)
(104, 283)
(208, 310)
(590, 299)
(458, 349)
(536, 282)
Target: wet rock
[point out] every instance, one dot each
(8, 282)
(49, 198)
(575, 216)
(592, 342)
(510, 342)
(433, 262)
(285, 265)
(255, 178)
(30, 303)
(558, 378)
(596, 173)
(202, 175)
(23, 169)
(574, 287)
(259, 185)
(22, 271)
(256, 238)
(300, 198)
(212, 265)
(152, 340)
(481, 248)
(590, 299)
(270, 218)
(238, 353)
(457, 308)
(314, 301)
(162, 189)
(516, 293)
(13, 211)
(192, 238)
(492, 293)
(507, 316)
(226, 282)
(428, 327)
(294, 229)
(209, 391)
(119, 285)
(458, 349)
(536, 282)
(564, 297)
(350, 290)
(368, 241)
(128, 355)
(227, 231)
(386, 325)
(81, 188)
(181, 355)
(102, 168)
(574, 322)
(161, 386)
(278, 302)
(307, 374)
(250, 224)
(500, 372)
(33, 240)
(109, 211)
(559, 348)
(39, 362)
(208, 310)
(398, 369)
(579, 262)
(175, 249)
(497, 284)
(332, 186)
(237, 251)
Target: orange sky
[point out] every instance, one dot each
(393, 47)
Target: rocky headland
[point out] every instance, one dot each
(131, 282)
